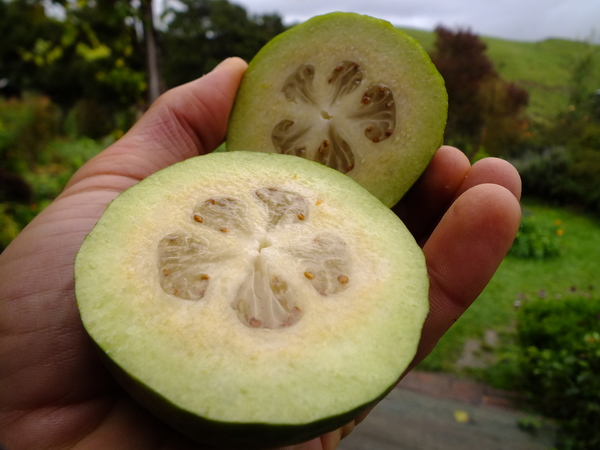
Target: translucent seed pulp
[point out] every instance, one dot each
(375, 111)
(182, 262)
(265, 297)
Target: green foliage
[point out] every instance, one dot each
(53, 166)
(516, 281)
(567, 170)
(25, 127)
(13, 218)
(100, 55)
(90, 118)
(559, 341)
(56, 164)
(543, 68)
(530, 424)
(204, 32)
(26, 30)
(562, 163)
(92, 54)
(103, 54)
(582, 79)
(545, 174)
(537, 239)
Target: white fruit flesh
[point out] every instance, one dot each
(254, 288)
(349, 91)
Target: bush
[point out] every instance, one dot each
(562, 161)
(26, 126)
(52, 169)
(537, 240)
(545, 174)
(568, 176)
(13, 218)
(559, 341)
(89, 118)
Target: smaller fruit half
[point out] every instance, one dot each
(252, 300)
(349, 91)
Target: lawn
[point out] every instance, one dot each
(544, 69)
(574, 271)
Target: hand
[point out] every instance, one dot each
(54, 393)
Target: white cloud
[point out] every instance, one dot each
(527, 20)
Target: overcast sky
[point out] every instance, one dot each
(521, 20)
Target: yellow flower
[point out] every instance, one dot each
(559, 232)
(461, 416)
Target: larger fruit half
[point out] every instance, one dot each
(349, 91)
(251, 299)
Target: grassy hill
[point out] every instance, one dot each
(544, 69)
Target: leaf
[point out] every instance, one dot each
(92, 53)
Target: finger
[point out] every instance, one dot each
(426, 202)
(492, 170)
(463, 253)
(185, 121)
(193, 117)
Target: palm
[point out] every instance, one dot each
(53, 389)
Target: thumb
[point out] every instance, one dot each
(186, 121)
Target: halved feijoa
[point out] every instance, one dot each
(251, 299)
(349, 91)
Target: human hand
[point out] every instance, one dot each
(54, 392)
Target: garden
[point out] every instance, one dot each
(534, 330)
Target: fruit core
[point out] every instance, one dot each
(266, 296)
(339, 102)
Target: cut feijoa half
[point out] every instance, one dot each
(251, 299)
(349, 91)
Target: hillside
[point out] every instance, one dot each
(543, 68)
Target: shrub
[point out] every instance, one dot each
(94, 120)
(562, 163)
(559, 341)
(13, 218)
(54, 166)
(537, 240)
(26, 126)
(545, 175)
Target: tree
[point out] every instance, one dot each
(202, 33)
(26, 45)
(114, 37)
(95, 51)
(483, 109)
(155, 85)
(100, 59)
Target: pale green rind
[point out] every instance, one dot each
(236, 377)
(389, 56)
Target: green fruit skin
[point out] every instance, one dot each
(395, 175)
(228, 435)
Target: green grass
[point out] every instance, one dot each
(520, 279)
(425, 38)
(543, 68)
